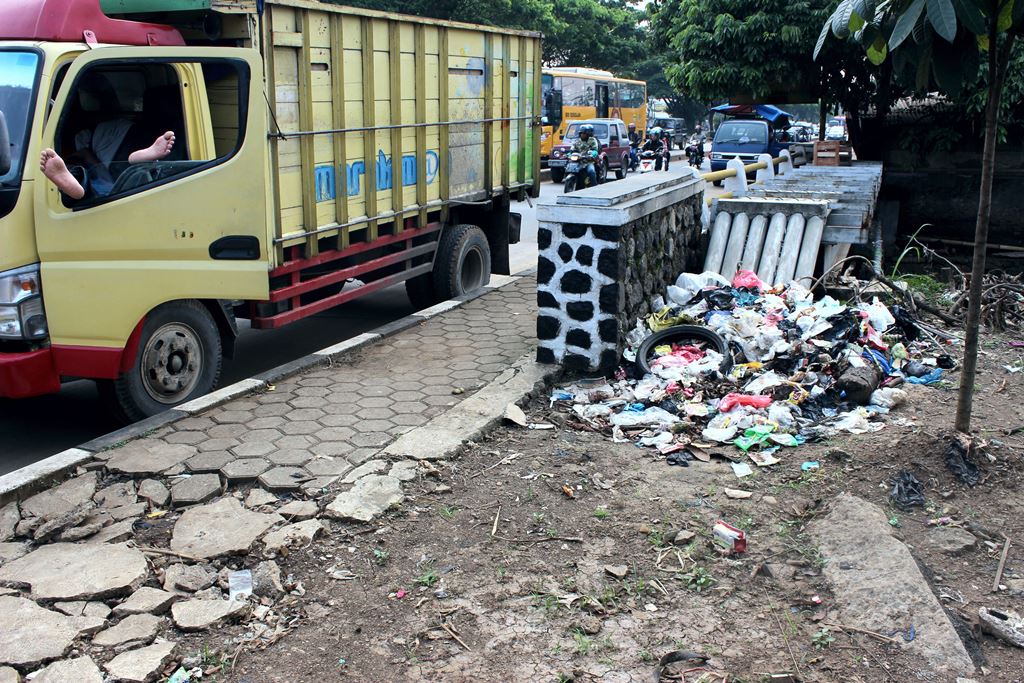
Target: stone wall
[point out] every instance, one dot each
(602, 261)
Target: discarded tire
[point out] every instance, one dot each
(681, 334)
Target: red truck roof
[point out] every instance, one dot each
(77, 21)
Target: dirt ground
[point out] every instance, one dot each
(491, 572)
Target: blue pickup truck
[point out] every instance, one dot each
(751, 131)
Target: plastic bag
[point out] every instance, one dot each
(749, 279)
(931, 378)
(878, 315)
(732, 399)
(754, 436)
(888, 397)
(649, 416)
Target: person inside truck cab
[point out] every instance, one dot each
(108, 140)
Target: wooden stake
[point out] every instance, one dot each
(1002, 565)
(497, 516)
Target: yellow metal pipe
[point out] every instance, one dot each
(730, 173)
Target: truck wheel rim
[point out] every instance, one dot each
(172, 363)
(472, 275)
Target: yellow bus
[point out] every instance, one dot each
(574, 93)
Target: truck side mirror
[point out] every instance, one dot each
(5, 146)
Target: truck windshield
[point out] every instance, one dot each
(18, 72)
(600, 131)
(742, 132)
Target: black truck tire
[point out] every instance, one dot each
(462, 263)
(178, 359)
(557, 174)
(421, 291)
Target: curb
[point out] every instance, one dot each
(38, 475)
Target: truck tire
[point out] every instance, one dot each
(178, 359)
(463, 262)
(420, 290)
(557, 175)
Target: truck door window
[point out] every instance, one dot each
(116, 108)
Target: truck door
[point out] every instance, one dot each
(191, 224)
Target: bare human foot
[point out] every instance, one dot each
(160, 148)
(54, 168)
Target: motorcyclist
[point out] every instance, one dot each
(657, 143)
(635, 140)
(588, 150)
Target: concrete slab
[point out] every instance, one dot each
(198, 615)
(77, 571)
(220, 528)
(141, 665)
(32, 635)
(148, 456)
(79, 670)
(146, 600)
(372, 495)
(196, 489)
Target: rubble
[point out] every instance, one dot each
(9, 675)
(79, 670)
(188, 577)
(258, 497)
(115, 533)
(60, 499)
(371, 496)
(368, 467)
(266, 580)
(77, 571)
(142, 665)
(9, 518)
(116, 495)
(197, 615)
(146, 600)
(32, 635)
(82, 608)
(154, 492)
(220, 528)
(146, 457)
(136, 629)
(952, 540)
(299, 510)
(12, 551)
(299, 533)
(195, 489)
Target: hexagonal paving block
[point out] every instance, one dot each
(188, 438)
(301, 427)
(335, 433)
(196, 423)
(216, 445)
(227, 431)
(399, 396)
(304, 402)
(305, 414)
(340, 419)
(210, 461)
(441, 400)
(373, 414)
(410, 419)
(284, 478)
(378, 425)
(361, 455)
(315, 380)
(374, 402)
(331, 448)
(291, 456)
(295, 441)
(405, 385)
(245, 468)
(272, 409)
(400, 407)
(196, 489)
(328, 467)
(232, 416)
(371, 439)
(253, 449)
(267, 434)
(312, 392)
(268, 422)
(380, 388)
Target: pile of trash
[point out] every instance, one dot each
(759, 368)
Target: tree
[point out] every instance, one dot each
(939, 44)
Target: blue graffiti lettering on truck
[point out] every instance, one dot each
(324, 176)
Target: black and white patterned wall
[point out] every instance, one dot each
(593, 281)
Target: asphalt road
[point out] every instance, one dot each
(32, 429)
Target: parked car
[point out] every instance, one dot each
(611, 136)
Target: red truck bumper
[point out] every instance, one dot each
(28, 374)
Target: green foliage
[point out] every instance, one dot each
(600, 34)
(723, 47)
(822, 638)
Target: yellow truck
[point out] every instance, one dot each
(321, 153)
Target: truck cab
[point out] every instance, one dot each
(748, 131)
(274, 203)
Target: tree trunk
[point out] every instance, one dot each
(997, 60)
(822, 116)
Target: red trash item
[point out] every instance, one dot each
(730, 537)
(731, 400)
(747, 278)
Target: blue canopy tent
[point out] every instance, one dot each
(768, 112)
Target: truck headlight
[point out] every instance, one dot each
(718, 157)
(21, 304)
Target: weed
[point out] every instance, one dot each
(381, 557)
(645, 656)
(569, 583)
(428, 578)
(698, 578)
(529, 495)
(584, 643)
(656, 538)
(551, 532)
(637, 587)
(538, 518)
(447, 511)
(501, 573)
(564, 678)
(822, 639)
(746, 523)
(602, 513)
(894, 520)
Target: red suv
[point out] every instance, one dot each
(613, 139)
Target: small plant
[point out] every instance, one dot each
(698, 579)
(447, 511)
(551, 532)
(656, 538)
(538, 518)
(501, 574)
(645, 656)
(584, 643)
(602, 512)
(381, 557)
(822, 639)
(428, 578)
(894, 520)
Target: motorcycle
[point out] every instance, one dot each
(576, 175)
(695, 153)
(634, 156)
(647, 161)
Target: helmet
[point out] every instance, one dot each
(586, 128)
(632, 126)
(656, 132)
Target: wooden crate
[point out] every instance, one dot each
(826, 153)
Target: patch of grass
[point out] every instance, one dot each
(428, 578)
(698, 579)
(645, 656)
(381, 557)
(538, 518)
(927, 286)
(894, 520)
(656, 538)
(602, 513)
(585, 644)
(447, 511)
(822, 639)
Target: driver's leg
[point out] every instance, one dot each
(592, 174)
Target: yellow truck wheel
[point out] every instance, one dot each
(178, 359)
(463, 262)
